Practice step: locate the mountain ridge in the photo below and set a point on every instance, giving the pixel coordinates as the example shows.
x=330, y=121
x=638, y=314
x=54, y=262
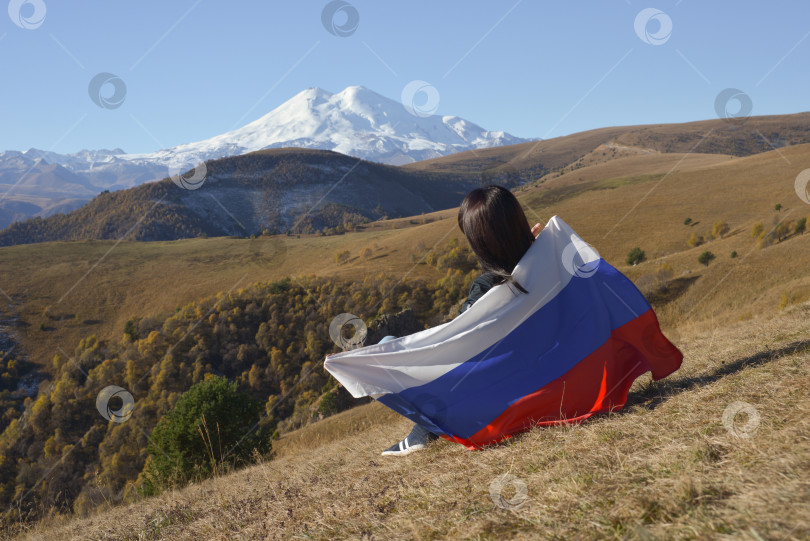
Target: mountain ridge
x=272, y=190
x=270, y=205
x=356, y=121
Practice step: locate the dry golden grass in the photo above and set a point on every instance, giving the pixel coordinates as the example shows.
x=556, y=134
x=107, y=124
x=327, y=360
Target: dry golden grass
x=100, y=293
x=596, y=167
x=714, y=136
x=650, y=214
x=638, y=200
x=664, y=467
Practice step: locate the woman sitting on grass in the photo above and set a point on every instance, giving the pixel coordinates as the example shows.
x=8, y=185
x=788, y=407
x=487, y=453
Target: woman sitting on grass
x=497, y=230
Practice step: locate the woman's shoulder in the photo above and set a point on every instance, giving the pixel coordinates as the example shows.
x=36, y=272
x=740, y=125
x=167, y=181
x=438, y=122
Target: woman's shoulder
x=480, y=285
x=486, y=280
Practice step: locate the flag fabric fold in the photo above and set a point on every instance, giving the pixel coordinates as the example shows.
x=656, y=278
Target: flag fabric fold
x=568, y=349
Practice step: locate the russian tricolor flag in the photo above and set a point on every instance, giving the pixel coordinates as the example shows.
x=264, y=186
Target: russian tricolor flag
x=568, y=349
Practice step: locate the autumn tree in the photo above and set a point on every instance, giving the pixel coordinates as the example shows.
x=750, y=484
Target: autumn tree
x=694, y=240
x=782, y=230
x=663, y=275
x=765, y=239
x=342, y=257
x=719, y=229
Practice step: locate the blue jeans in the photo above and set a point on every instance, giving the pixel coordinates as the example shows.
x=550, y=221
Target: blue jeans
x=388, y=339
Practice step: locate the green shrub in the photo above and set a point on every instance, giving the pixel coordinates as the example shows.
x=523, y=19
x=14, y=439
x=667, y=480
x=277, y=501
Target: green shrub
x=801, y=226
x=705, y=258
x=131, y=329
x=636, y=256
x=211, y=426
x=328, y=404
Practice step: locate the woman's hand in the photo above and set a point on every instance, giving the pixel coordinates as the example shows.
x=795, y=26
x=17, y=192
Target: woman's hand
x=536, y=229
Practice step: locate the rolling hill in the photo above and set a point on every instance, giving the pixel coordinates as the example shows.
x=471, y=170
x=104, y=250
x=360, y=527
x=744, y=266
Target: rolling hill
x=296, y=190
x=758, y=134
x=61, y=293
x=90, y=288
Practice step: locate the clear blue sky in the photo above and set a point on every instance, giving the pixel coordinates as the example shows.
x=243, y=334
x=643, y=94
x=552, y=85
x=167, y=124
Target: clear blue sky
x=194, y=69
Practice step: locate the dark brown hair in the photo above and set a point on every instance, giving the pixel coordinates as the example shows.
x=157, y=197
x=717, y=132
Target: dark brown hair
x=495, y=226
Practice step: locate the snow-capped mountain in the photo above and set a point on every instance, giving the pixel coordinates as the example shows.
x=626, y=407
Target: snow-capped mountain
x=357, y=122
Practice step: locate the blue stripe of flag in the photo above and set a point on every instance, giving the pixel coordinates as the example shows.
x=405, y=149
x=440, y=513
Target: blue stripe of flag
x=549, y=343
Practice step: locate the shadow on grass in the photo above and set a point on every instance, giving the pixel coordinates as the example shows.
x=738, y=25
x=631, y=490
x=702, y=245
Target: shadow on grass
x=658, y=392
x=653, y=395
x=674, y=290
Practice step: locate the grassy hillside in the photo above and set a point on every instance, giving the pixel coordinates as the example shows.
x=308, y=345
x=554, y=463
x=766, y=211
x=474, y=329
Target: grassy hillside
x=268, y=339
x=80, y=288
x=56, y=294
x=758, y=134
x=665, y=467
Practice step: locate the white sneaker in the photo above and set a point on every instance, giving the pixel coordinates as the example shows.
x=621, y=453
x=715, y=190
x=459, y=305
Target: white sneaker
x=417, y=440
